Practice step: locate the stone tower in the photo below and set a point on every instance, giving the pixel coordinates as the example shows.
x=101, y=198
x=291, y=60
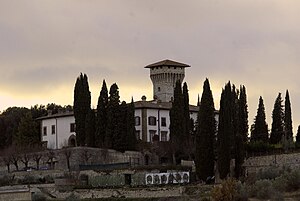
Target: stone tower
x=164, y=75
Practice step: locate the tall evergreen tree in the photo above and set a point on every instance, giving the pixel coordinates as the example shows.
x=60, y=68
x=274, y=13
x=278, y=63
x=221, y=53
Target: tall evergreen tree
x=101, y=119
x=131, y=138
x=82, y=106
x=177, y=121
x=242, y=134
x=120, y=137
x=288, y=127
x=205, y=135
x=259, y=130
x=298, y=136
x=226, y=131
x=186, y=108
x=113, y=110
x=278, y=121
x=90, y=129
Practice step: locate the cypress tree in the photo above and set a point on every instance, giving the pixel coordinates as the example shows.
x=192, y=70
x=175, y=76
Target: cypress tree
x=113, y=110
x=242, y=134
x=186, y=108
x=101, y=119
x=298, y=137
x=226, y=131
x=90, y=128
x=131, y=138
x=277, y=123
x=259, y=130
x=177, y=120
x=288, y=117
x=205, y=135
x=120, y=138
x=82, y=105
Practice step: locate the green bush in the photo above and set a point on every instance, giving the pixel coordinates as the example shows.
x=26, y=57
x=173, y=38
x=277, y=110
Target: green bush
x=72, y=197
x=263, y=189
x=226, y=191
x=269, y=173
x=38, y=197
x=292, y=180
x=6, y=180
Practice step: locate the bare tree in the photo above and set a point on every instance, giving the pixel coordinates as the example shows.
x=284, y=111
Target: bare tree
x=15, y=158
x=6, y=158
x=25, y=156
x=67, y=153
x=85, y=155
x=37, y=155
x=51, y=156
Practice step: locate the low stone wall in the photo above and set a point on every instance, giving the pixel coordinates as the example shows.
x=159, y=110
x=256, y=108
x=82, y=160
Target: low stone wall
x=80, y=156
x=16, y=195
x=254, y=164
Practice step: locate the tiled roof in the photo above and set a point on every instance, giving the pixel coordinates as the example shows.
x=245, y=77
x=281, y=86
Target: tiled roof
x=167, y=62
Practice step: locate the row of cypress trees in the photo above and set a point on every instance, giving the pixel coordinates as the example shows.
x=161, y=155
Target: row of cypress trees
x=281, y=129
x=111, y=126
x=229, y=142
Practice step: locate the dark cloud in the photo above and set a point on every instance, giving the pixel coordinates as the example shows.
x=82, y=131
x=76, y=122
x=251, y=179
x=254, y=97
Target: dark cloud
x=45, y=45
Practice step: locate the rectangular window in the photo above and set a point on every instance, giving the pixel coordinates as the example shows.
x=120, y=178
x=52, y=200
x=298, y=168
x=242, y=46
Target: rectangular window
x=152, y=121
x=53, y=129
x=164, y=136
x=152, y=134
x=72, y=127
x=163, y=122
x=137, y=121
x=44, y=130
x=138, y=134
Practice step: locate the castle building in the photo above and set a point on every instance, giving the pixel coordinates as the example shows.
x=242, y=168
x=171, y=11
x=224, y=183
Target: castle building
x=152, y=119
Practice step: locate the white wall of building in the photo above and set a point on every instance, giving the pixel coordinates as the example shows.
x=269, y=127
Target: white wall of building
x=62, y=131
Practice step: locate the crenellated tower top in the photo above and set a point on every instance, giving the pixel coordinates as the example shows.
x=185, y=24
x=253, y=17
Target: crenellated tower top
x=164, y=75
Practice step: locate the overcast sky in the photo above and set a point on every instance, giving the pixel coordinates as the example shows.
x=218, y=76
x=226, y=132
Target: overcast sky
x=44, y=45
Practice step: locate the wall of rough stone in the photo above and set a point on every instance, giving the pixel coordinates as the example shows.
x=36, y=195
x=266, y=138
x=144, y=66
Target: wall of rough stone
x=254, y=164
x=81, y=155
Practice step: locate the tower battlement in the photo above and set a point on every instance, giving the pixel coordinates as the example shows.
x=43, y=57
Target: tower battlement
x=164, y=75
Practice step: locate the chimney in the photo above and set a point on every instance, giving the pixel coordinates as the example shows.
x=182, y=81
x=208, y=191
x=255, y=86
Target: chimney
x=144, y=98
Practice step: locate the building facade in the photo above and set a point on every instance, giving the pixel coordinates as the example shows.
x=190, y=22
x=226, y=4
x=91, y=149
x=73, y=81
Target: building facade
x=152, y=119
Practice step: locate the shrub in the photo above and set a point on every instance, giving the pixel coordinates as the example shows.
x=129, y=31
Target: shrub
x=38, y=197
x=264, y=189
x=226, y=191
x=269, y=173
x=72, y=197
x=6, y=180
x=292, y=180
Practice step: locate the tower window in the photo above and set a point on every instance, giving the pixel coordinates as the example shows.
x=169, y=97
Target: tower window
x=163, y=122
x=158, y=88
x=137, y=121
x=152, y=121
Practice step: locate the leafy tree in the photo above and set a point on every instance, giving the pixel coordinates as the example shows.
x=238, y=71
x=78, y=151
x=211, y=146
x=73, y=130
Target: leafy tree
x=11, y=118
x=90, y=128
x=242, y=134
x=205, y=135
x=278, y=121
x=177, y=127
x=259, y=130
x=288, y=127
x=113, y=110
x=226, y=131
x=28, y=133
x=101, y=119
x=82, y=106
